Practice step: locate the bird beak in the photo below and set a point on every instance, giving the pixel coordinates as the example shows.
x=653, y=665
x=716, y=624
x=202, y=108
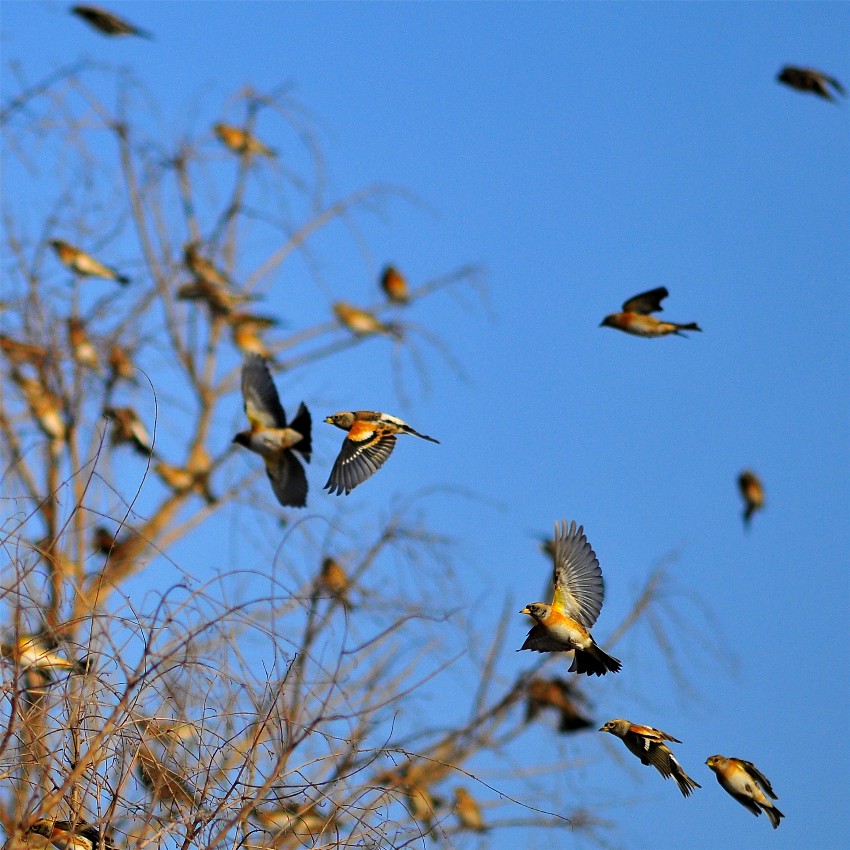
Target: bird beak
x=329, y=420
x=602, y=728
x=525, y=611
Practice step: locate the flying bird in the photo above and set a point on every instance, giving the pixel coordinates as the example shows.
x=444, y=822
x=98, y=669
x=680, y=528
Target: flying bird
x=65, y=835
x=241, y=141
x=370, y=441
x=636, y=319
x=107, y=23
x=84, y=264
x=394, y=285
x=272, y=437
x=752, y=492
x=246, y=330
x=747, y=784
x=648, y=745
x=810, y=80
x=565, y=624
x=560, y=695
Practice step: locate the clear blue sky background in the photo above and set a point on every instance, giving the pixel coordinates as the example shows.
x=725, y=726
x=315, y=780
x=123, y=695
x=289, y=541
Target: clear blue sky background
x=584, y=153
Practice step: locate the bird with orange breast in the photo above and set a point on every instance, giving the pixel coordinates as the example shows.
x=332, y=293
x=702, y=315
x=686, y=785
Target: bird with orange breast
x=241, y=141
x=82, y=349
x=649, y=746
x=83, y=264
x=565, y=624
x=810, y=81
x=69, y=835
x=747, y=784
x=394, y=285
x=636, y=319
x=752, y=492
x=363, y=323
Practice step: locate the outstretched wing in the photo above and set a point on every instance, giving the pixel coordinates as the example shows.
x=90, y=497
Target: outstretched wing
x=364, y=451
x=539, y=640
x=288, y=479
x=262, y=403
x=577, y=575
x=760, y=778
x=647, y=302
x=651, y=734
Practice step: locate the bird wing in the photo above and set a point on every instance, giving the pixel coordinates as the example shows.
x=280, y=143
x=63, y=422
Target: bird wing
x=651, y=734
x=302, y=423
x=262, y=403
x=364, y=451
x=759, y=777
x=647, y=302
x=577, y=576
x=836, y=85
x=288, y=479
x=539, y=640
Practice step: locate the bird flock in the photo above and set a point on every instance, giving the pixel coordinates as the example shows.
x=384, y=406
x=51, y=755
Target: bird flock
x=562, y=625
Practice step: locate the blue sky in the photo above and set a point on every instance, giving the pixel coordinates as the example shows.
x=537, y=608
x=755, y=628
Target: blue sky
x=583, y=153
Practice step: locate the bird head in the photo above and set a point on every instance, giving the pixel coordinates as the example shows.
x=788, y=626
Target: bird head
x=608, y=321
x=715, y=762
x=243, y=438
x=342, y=420
x=538, y=610
x=616, y=727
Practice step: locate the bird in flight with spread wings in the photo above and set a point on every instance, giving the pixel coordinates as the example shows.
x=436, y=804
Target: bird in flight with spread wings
x=636, y=319
x=565, y=624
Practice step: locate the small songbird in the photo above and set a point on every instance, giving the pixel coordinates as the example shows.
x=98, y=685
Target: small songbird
x=394, y=285
x=104, y=541
x=210, y=285
x=565, y=624
x=128, y=428
x=81, y=346
x=304, y=821
x=19, y=353
x=810, y=80
x=422, y=805
x=182, y=479
x=467, y=811
x=241, y=141
x=84, y=264
x=363, y=323
x=202, y=268
x=246, y=330
x=636, y=320
x=752, y=492
x=39, y=652
x=747, y=784
x=332, y=577
x=120, y=365
x=648, y=745
x=107, y=23
x=562, y=696
x=370, y=441
x=271, y=437
x=165, y=785
x=67, y=835
x=46, y=408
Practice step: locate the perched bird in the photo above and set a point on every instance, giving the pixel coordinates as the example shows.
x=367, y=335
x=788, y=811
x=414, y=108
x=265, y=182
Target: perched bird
x=752, y=493
x=648, y=745
x=564, y=625
x=635, y=318
x=241, y=141
x=370, y=441
x=18, y=353
x=333, y=578
x=107, y=23
x=394, y=285
x=422, y=805
x=810, y=80
x=84, y=264
x=38, y=652
x=183, y=479
x=747, y=784
x=363, y=323
x=271, y=437
x=128, y=428
x=246, y=330
x=210, y=284
x=467, y=810
x=120, y=365
x=202, y=268
x=560, y=695
x=164, y=784
x=104, y=541
x=68, y=835
x=46, y=408
x=82, y=349
x=305, y=821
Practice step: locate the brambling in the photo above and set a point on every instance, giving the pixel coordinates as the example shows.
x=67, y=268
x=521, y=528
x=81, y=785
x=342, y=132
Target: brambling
x=66, y=835
x=648, y=745
x=303, y=821
x=163, y=783
x=107, y=23
x=636, y=319
x=370, y=441
x=46, y=408
x=564, y=624
x=246, y=330
x=38, y=652
x=103, y=541
x=241, y=141
x=333, y=578
x=467, y=810
x=422, y=806
x=128, y=429
x=363, y=323
x=18, y=353
x=120, y=365
x=394, y=285
x=84, y=264
x=747, y=784
x=810, y=80
x=181, y=480
x=562, y=696
x=271, y=437
x=752, y=492
x=203, y=269
x=82, y=349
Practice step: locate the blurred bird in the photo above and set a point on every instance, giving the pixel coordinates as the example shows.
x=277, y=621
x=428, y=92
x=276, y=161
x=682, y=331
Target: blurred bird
x=246, y=330
x=128, y=428
x=45, y=407
x=120, y=365
x=103, y=540
x=747, y=784
x=810, y=80
x=18, y=353
x=84, y=264
x=82, y=349
x=203, y=269
x=66, y=835
x=752, y=493
x=183, y=479
x=370, y=441
x=164, y=784
x=562, y=696
x=210, y=285
x=635, y=318
x=422, y=806
x=333, y=578
x=363, y=323
x=564, y=625
x=39, y=652
x=241, y=141
x=107, y=23
x=394, y=285
x=305, y=821
x=648, y=745
x=467, y=810
x=271, y=437
x=165, y=731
